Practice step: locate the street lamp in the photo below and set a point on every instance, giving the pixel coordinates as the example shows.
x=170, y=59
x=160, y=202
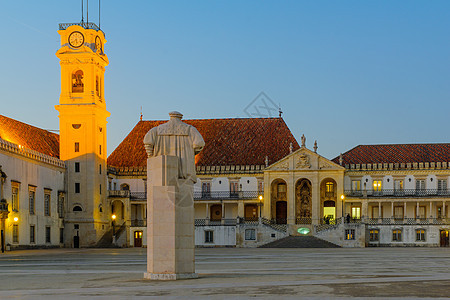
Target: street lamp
x=260, y=204
x=16, y=219
x=342, y=205
x=113, y=217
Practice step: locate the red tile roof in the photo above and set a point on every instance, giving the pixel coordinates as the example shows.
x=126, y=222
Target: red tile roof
x=30, y=137
x=396, y=153
x=245, y=141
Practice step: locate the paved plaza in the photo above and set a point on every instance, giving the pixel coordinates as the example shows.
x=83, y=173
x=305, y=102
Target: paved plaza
x=229, y=273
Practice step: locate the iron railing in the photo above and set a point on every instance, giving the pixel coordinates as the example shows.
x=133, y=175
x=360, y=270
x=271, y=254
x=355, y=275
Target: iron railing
x=226, y=195
x=407, y=221
x=138, y=195
x=398, y=193
x=207, y=222
x=119, y=194
x=85, y=25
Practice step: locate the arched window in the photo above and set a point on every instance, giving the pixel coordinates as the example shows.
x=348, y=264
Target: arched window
x=124, y=187
x=77, y=82
x=77, y=208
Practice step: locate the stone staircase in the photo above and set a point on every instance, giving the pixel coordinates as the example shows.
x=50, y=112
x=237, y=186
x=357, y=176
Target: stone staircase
x=300, y=242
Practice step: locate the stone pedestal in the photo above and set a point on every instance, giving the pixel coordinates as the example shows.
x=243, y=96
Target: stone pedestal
x=170, y=217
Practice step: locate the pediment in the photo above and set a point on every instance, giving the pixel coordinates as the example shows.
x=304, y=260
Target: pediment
x=304, y=159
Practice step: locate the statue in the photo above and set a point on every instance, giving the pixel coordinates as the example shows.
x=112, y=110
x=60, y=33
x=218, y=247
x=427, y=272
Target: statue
x=171, y=149
x=179, y=139
x=303, y=140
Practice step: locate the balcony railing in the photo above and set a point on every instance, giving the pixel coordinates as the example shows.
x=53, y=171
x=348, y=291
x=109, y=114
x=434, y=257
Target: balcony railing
x=226, y=195
x=120, y=194
x=398, y=193
x=407, y=221
x=85, y=25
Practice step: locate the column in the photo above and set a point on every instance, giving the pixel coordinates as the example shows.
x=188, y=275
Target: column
x=404, y=210
x=290, y=193
x=223, y=213
x=241, y=213
x=417, y=210
x=392, y=209
x=364, y=210
x=207, y=212
x=431, y=209
x=379, y=211
x=444, y=214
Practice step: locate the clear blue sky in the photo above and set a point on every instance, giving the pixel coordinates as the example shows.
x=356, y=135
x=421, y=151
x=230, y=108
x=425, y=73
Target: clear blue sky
x=344, y=72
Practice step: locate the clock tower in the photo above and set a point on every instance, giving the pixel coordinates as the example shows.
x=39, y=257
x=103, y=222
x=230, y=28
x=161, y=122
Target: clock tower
x=82, y=126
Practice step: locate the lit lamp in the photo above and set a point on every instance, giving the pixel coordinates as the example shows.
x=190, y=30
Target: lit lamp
x=260, y=204
x=113, y=217
x=16, y=219
x=342, y=203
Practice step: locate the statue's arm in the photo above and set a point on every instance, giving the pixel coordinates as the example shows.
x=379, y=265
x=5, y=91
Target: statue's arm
x=149, y=142
x=197, y=140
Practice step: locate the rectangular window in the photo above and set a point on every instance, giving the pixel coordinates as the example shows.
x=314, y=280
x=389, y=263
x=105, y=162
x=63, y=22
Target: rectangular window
x=100, y=149
x=398, y=185
x=77, y=147
x=206, y=189
x=61, y=235
x=250, y=234
x=209, y=236
x=77, y=187
x=31, y=199
x=47, y=204
x=442, y=185
x=15, y=233
x=398, y=212
x=397, y=235
x=15, y=197
x=100, y=168
x=32, y=234
x=234, y=188
x=61, y=205
x=77, y=167
x=356, y=185
x=377, y=185
x=47, y=234
x=420, y=184
x=356, y=212
x=100, y=187
x=374, y=235
x=349, y=234
x=260, y=186
x=420, y=235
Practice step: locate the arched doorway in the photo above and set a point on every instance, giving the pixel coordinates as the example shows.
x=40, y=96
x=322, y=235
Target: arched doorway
x=117, y=209
x=138, y=238
x=279, y=201
x=303, y=201
x=328, y=191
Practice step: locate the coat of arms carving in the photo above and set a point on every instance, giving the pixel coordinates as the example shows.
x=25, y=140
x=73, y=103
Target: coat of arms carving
x=303, y=162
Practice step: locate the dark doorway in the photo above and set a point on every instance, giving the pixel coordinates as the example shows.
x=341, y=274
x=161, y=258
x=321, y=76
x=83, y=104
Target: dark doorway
x=138, y=238
x=444, y=238
x=251, y=212
x=281, y=212
x=76, y=241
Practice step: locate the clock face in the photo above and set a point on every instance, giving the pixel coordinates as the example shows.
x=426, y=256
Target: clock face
x=76, y=39
x=98, y=44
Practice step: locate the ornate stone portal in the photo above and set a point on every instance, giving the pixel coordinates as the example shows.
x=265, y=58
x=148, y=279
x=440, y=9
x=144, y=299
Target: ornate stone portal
x=171, y=149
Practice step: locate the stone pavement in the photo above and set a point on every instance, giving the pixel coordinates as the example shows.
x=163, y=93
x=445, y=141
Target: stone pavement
x=229, y=273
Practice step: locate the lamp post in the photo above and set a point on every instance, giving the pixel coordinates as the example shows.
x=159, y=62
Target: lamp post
x=113, y=217
x=260, y=205
x=342, y=206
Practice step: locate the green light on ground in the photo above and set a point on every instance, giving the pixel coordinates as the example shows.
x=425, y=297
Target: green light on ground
x=303, y=230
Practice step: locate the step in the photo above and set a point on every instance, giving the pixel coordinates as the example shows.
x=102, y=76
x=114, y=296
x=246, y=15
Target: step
x=300, y=242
